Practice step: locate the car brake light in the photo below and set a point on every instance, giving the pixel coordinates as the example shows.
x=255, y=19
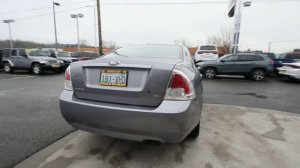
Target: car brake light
x=68, y=81
x=180, y=88
x=271, y=62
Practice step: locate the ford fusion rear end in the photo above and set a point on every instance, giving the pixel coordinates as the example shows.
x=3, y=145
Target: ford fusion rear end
x=132, y=97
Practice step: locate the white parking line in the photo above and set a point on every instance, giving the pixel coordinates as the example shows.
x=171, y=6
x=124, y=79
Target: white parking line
x=18, y=76
x=22, y=76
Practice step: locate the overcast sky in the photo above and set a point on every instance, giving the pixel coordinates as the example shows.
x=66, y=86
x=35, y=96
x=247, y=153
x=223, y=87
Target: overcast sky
x=266, y=20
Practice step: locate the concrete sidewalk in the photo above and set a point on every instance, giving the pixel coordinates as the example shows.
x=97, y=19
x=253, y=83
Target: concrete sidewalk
x=230, y=136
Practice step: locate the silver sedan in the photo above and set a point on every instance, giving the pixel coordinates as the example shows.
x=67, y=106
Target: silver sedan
x=139, y=92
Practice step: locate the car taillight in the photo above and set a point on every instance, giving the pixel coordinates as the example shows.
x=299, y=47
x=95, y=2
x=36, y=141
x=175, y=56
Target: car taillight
x=271, y=62
x=68, y=81
x=180, y=87
x=199, y=52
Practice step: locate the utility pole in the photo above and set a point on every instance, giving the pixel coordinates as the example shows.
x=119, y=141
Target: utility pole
x=99, y=28
x=9, y=28
x=95, y=25
x=55, y=32
x=269, y=50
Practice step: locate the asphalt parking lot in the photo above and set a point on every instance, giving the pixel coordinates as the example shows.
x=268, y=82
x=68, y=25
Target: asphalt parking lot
x=30, y=119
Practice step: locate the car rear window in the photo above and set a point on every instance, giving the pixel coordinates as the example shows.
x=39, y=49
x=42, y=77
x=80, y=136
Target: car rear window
x=148, y=51
x=271, y=55
x=208, y=48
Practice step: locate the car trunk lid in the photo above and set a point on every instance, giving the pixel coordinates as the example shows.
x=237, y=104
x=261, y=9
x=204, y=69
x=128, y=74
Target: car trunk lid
x=145, y=84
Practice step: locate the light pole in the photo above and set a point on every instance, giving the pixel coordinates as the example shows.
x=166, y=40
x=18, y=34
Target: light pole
x=99, y=28
x=77, y=16
x=237, y=22
x=9, y=28
x=95, y=26
x=55, y=32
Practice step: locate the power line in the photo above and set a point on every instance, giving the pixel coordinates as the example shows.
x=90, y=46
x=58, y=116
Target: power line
x=143, y=4
x=273, y=42
x=45, y=14
x=44, y=7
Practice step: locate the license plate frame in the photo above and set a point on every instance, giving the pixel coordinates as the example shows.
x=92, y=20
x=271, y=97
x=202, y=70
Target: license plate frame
x=55, y=66
x=112, y=76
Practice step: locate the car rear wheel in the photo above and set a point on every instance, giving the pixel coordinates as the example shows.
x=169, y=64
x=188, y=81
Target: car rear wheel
x=7, y=68
x=36, y=69
x=210, y=73
x=195, y=132
x=258, y=75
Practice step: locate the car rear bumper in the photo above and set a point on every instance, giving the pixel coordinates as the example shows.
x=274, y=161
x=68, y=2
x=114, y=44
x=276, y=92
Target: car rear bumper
x=50, y=67
x=170, y=122
x=203, y=57
x=289, y=73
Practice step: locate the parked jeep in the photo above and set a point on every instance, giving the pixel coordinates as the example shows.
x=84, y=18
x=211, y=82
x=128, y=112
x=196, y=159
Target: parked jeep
x=33, y=60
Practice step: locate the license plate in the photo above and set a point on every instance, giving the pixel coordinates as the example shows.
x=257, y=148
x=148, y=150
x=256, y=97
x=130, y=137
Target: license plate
x=55, y=65
x=113, y=77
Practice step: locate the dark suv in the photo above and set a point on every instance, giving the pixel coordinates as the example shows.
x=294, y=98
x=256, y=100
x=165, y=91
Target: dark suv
x=252, y=66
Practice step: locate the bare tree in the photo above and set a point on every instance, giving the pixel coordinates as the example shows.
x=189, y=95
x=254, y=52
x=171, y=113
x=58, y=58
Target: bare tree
x=182, y=41
x=109, y=44
x=223, y=40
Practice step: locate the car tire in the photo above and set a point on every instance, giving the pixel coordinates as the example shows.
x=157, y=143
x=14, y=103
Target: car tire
x=195, y=132
x=210, y=73
x=36, y=69
x=258, y=74
x=7, y=68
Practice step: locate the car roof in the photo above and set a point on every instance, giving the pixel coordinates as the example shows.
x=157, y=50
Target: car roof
x=247, y=54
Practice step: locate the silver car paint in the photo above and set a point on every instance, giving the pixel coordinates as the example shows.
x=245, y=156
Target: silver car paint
x=160, y=119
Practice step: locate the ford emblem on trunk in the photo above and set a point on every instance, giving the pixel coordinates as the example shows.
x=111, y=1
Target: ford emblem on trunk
x=114, y=63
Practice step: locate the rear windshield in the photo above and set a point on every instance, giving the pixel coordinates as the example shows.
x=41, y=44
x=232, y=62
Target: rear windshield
x=148, y=51
x=207, y=48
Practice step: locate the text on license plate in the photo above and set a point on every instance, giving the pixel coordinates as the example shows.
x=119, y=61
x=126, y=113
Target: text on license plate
x=112, y=77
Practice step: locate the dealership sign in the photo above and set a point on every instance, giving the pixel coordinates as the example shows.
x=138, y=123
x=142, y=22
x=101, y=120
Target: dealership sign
x=231, y=8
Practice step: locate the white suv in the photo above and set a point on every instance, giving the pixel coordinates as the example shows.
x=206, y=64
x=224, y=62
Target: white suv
x=206, y=53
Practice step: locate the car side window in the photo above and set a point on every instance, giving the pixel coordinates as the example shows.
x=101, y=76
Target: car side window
x=231, y=58
x=289, y=56
x=244, y=58
x=14, y=53
x=22, y=53
x=6, y=53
